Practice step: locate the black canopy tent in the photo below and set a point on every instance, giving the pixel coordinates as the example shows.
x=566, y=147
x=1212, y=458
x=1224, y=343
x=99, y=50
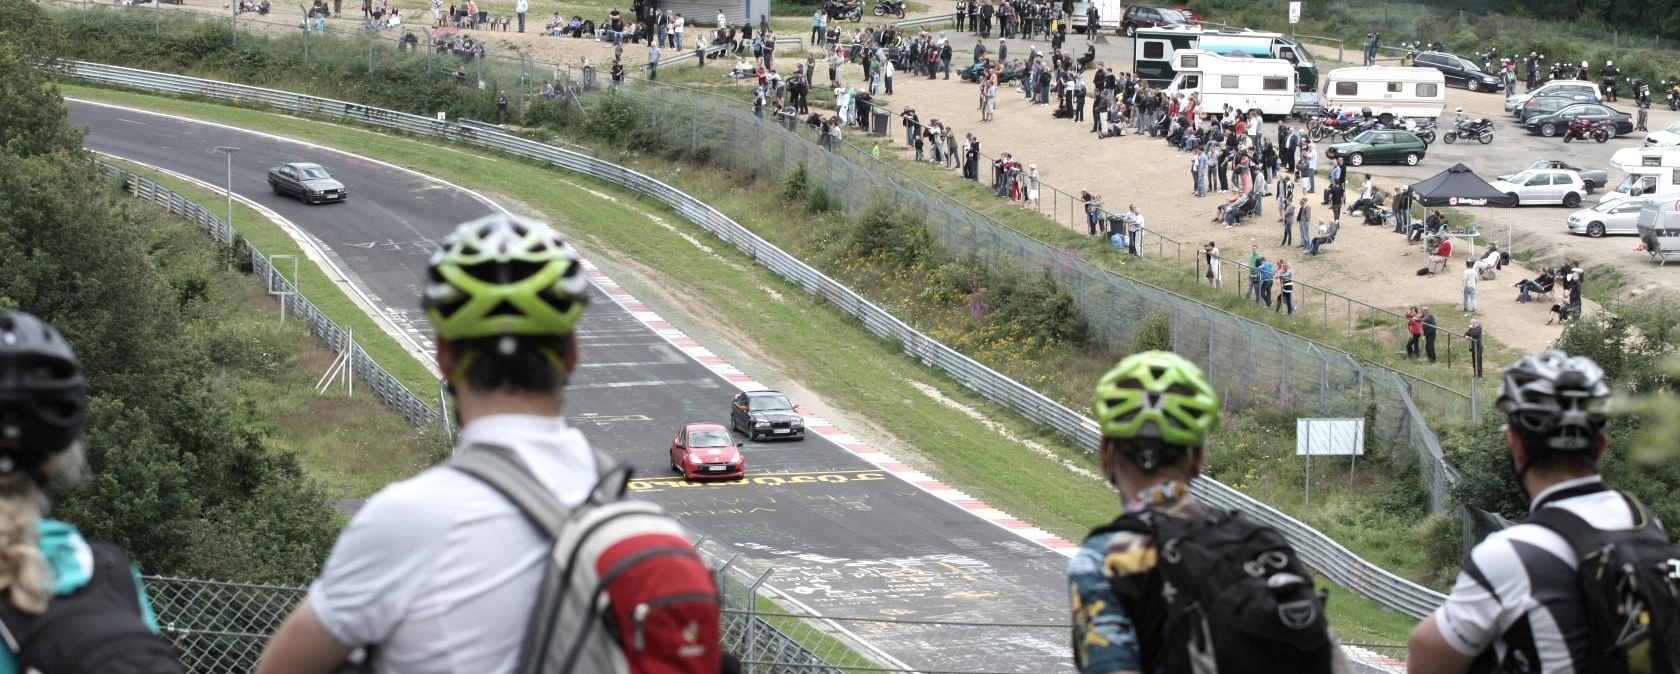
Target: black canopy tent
x=1460, y=186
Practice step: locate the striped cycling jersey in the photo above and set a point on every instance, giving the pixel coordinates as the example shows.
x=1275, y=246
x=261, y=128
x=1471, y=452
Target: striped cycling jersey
x=1518, y=593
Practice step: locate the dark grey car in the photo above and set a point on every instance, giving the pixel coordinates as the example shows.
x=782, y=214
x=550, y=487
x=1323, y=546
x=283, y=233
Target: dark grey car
x=310, y=183
x=765, y=413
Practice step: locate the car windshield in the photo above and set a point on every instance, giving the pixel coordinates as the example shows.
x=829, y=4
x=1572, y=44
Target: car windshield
x=1518, y=179
x=1673, y=128
x=775, y=403
x=709, y=439
x=313, y=174
x=1174, y=15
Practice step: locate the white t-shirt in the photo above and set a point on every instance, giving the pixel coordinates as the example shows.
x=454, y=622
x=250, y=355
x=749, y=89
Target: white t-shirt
x=677, y=25
x=440, y=570
x=1470, y=278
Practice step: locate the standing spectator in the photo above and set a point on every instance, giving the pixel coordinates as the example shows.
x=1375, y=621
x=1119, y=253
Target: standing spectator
x=1134, y=222
x=519, y=8
x=1214, y=273
x=1414, y=327
x=961, y=13
x=617, y=74
x=1286, y=286
x=1198, y=171
x=1373, y=40
x=971, y=167
x=677, y=31
x=1285, y=192
x=653, y=62
x=1307, y=168
x=1303, y=222
x=1428, y=320
x=1470, y=275
x=1574, y=278
x=1474, y=335
x=1402, y=204
x=1333, y=195
x=887, y=75
x=816, y=26
x=1268, y=275
x=1254, y=260
x=1032, y=187
x=501, y=106
x=1288, y=220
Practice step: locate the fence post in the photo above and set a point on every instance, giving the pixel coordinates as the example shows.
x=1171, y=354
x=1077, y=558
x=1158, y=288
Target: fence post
x=752, y=620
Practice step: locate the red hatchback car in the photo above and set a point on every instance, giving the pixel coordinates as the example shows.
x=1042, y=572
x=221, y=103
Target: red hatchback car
x=706, y=450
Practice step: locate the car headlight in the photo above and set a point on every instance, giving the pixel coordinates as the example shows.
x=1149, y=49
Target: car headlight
x=694, y=459
x=315, y=191
x=761, y=424
x=798, y=423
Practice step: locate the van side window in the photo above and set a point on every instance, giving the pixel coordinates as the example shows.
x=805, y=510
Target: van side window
x=1674, y=178
x=1228, y=81
x=1192, y=82
x=1288, y=54
x=1394, y=87
x=1192, y=61
x=1274, y=83
x=1429, y=90
x=1347, y=88
x=1154, y=49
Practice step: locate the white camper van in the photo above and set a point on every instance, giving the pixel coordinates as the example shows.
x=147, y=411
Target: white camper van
x=1263, y=84
x=1654, y=170
x=1389, y=91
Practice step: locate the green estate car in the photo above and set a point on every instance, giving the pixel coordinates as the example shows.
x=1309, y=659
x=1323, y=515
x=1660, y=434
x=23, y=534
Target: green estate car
x=1390, y=145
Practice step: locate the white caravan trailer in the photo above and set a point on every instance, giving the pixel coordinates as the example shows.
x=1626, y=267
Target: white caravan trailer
x=1389, y=91
x=1659, y=229
x=1263, y=84
x=1654, y=170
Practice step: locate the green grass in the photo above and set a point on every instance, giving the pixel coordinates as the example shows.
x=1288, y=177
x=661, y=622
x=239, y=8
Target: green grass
x=352, y=444
x=837, y=357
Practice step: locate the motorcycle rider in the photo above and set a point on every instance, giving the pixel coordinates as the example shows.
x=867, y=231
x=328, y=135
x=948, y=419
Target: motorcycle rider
x=1557, y=70
x=1610, y=74
x=1582, y=72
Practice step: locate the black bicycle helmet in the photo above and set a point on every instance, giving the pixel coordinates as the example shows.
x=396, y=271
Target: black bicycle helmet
x=1557, y=401
x=43, y=397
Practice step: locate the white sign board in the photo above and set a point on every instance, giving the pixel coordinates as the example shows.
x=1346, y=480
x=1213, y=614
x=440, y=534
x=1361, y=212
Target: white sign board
x=1294, y=12
x=1329, y=437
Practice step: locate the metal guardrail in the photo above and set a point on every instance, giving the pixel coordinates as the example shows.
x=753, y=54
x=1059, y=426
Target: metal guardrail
x=392, y=392
x=1317, y=549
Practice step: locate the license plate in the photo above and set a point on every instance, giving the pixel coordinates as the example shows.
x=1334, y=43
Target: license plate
x=784, y=430
x=717, y=469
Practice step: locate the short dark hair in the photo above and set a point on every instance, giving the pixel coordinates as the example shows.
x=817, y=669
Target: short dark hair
x=512, y=364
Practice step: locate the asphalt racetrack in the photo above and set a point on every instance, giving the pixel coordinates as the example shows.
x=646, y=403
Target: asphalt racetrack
x=844, y=538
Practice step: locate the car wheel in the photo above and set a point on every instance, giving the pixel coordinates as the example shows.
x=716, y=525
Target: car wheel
x=674, y=467
x=1571, y=200
x=1514, y=199
x=274, y=186
x=1588, y=185
x=1412, y=159
x=1131, y=31
x=1595, y=229
x=1548, y=130
x=1356, y=159
x=1473, y=85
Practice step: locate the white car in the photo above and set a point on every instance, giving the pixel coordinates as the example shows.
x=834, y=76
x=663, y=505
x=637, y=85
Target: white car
x=1668, y=137
x=1612, y=216
x=1548, y=186
x=1581, y=91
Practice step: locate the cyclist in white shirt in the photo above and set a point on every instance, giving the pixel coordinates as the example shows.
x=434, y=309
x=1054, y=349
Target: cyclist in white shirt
x=1517, y=601
x=437, y=574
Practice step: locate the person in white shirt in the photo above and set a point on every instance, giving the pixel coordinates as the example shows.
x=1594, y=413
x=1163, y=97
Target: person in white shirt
x=1470, y=274
x=438, y=574
x=723, y=21
x=520, y=8
x=677, y=30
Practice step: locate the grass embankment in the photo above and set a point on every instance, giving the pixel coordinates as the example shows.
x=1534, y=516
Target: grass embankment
x=355, y=444
x=836, y=357
x=352, y=444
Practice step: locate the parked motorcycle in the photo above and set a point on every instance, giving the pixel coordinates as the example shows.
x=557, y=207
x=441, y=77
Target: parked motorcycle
x=850, y=11
x=1426, y=132
x=885, y=7
x=1671, y=91
x=1584, y=129
x=1489, y=60
x=1480, y=129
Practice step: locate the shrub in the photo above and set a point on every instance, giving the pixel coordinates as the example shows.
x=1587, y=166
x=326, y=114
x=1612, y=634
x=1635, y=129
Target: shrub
x=1155, y=334
x=796, y=184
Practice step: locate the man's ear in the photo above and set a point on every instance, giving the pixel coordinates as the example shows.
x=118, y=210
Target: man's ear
x=445, y=360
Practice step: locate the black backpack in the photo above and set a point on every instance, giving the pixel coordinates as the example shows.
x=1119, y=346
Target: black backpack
x=1227, y=595
x=98, y=628
x=1629, y=581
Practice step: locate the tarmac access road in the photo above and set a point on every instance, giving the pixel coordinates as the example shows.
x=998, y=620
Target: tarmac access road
x=844, y=538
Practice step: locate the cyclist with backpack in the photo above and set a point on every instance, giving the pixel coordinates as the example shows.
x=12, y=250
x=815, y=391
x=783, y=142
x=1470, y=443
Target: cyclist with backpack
x=1173, y=585
x=519, y=553
x=67, y=605
x=1588, y=582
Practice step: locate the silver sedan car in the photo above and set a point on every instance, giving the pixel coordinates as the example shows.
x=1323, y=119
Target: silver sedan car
x=1611, y=216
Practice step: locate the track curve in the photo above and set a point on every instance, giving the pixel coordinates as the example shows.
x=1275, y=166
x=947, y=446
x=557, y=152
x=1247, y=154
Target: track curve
x=844, y=537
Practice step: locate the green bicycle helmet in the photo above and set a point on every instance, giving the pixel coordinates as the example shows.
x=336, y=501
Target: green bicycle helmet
x=1156, y=395
x=504, y=275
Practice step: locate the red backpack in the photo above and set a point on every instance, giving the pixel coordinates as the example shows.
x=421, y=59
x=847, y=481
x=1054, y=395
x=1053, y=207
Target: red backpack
x=624, y=592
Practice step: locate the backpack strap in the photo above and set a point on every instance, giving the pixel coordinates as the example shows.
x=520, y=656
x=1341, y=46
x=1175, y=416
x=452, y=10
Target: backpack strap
x=1584, y=538
x=496, y=467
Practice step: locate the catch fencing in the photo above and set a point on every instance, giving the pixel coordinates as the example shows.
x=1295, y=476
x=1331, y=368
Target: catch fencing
x=1252, y=365
x=389, y=390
